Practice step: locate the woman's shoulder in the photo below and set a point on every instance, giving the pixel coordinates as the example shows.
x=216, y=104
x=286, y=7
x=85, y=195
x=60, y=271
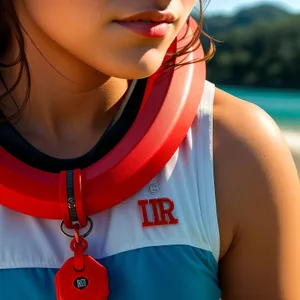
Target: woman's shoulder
x=244, y=130
x=249, y=151
x=257, y=188
x=245, y=134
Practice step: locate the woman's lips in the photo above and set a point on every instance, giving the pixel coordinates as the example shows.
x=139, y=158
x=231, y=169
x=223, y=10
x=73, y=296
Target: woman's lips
x=147, y=29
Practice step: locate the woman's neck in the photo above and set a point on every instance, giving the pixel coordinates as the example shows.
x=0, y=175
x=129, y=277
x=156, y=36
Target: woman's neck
x=70, y=103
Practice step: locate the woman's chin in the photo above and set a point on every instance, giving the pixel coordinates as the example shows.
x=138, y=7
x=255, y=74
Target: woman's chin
x=137, y=69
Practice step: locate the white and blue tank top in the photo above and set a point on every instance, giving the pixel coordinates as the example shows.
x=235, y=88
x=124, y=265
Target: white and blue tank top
x=177, y=261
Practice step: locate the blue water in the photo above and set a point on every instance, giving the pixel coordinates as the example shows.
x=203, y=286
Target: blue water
x=282, y=105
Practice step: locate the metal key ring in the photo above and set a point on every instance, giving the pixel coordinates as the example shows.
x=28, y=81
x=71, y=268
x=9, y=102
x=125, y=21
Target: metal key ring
x=90, y=224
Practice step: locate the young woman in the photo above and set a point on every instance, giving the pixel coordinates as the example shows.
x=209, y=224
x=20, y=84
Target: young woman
x=73, y=76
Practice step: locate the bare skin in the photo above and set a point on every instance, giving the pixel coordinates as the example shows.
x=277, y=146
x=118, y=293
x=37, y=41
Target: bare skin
x=258, y=201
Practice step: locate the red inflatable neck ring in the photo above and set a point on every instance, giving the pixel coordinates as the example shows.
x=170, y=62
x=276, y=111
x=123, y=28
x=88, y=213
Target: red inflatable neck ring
x=170, y=104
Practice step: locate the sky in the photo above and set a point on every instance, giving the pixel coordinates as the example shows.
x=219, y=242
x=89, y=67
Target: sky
x=230, y=6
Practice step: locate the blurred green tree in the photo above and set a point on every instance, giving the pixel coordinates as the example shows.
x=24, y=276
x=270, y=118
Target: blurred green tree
x=260, y=47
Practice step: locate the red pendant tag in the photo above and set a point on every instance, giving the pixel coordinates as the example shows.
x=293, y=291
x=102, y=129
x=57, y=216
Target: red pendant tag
x=81, y=277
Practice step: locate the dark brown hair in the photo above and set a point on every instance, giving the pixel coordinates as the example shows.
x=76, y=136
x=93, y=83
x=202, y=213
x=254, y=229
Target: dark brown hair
x=10, y=28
